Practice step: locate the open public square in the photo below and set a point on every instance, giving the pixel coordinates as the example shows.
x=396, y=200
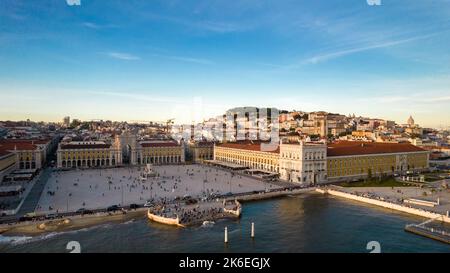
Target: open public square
x=100, y=188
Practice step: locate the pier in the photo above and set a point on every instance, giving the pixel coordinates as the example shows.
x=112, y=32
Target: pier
x=429, y=232
x=183, y=215
x=386, y=204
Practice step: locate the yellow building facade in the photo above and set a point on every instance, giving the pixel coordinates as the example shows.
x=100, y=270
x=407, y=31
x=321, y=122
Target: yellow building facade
x=340, y=161
x=8, y=162
x=160, y=152
x=352, y=160
x=201, y=151
x=101, y=154
x=248, y=155
x=361, y=166
x=86, y=154
x=30, y=154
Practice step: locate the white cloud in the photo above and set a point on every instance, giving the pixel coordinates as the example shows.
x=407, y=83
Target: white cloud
x=73, y=2
x=91, y=25
x=97, y=26
x=184, y=59
x=336, y=54
x=122, y=56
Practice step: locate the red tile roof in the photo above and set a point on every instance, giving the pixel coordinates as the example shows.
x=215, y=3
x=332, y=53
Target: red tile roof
x=9, y=145
x=31, y=141
x=341, y=148
x=346, y=148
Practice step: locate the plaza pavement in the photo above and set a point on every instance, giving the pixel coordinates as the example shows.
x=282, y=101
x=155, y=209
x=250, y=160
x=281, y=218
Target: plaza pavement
x=100, y=188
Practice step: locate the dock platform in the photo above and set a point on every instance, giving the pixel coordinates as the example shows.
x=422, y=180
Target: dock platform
x=428, y=232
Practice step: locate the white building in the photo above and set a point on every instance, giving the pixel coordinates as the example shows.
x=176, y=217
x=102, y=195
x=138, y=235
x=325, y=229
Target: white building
x=304, y=163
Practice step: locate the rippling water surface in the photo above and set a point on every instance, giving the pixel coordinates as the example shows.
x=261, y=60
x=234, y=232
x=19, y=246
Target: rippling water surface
x=306, y=223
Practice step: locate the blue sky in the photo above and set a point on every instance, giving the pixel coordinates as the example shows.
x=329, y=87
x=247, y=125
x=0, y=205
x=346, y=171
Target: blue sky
x=183, y=59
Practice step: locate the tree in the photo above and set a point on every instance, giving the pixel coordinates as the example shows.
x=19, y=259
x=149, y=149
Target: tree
x=75, y=123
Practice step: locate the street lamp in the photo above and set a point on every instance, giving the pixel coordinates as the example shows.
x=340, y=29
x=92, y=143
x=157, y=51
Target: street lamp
x=68, y=195
x=121, y=185
x=151, y=190
x=206, y=178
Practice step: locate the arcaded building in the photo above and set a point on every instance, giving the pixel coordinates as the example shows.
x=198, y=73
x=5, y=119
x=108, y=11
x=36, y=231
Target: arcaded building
x=125, y=150
x=316, y=162
x=248, y=154
x=8, y=163
x=86, y=154
x=30, y=154
x=160, y=152
x=351, y=160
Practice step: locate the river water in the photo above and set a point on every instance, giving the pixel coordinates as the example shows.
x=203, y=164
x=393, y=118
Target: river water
x=302, y=223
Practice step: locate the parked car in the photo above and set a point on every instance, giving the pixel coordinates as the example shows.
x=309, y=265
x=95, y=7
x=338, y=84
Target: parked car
x=191, y=201
x=134, y=206
x=51, y=216
x=33, y=215
x=84, y=211
x=25, y=218
x=113, y=208
x=148, y=204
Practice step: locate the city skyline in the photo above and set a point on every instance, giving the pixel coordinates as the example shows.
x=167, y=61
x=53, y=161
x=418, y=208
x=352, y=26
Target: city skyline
x=160, y=60
x=71, y=118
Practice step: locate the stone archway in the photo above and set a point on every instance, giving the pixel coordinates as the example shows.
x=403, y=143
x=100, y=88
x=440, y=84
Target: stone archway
x=126, y=144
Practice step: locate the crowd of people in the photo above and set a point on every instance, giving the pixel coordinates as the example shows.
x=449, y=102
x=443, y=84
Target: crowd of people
x=188, y=214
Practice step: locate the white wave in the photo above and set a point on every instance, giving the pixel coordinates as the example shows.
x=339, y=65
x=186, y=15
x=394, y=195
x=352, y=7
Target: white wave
x=129, y=222
x=35, y=239
x=13, y=239
x=207, y=224
x=19, y=240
